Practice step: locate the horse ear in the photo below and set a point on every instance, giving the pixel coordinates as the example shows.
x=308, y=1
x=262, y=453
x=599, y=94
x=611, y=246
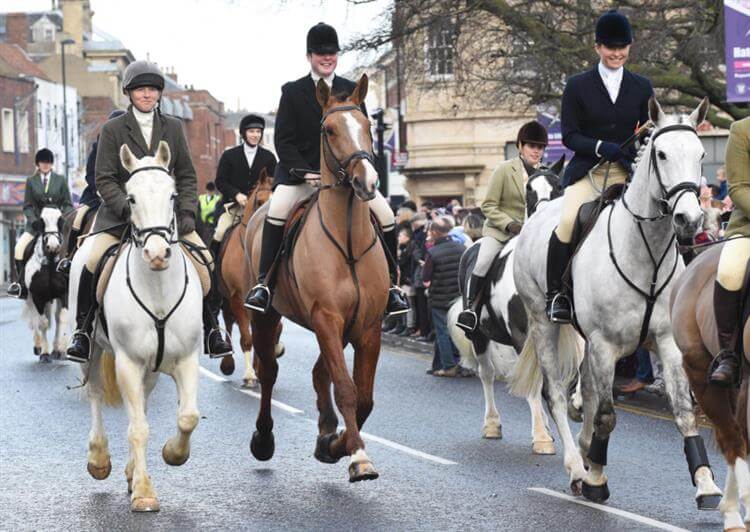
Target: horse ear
x=360, y=91
x=163, y=155
x=127, y=158
x=322, y=93
x=698, y=116
x=558, y=166
x=655, y=113
x=263, y=177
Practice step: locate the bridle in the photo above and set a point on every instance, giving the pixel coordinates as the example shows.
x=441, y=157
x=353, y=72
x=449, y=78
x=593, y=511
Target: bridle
x=140, y=235
x=340, y=168
x=256, y=198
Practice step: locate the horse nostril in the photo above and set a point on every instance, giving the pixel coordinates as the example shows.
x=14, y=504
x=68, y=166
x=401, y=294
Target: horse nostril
x=168, y=253
x=680, y=219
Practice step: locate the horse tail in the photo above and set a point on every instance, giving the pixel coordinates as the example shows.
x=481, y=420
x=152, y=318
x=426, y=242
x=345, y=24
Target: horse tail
x=462, y=343
x=570, y=349
x=108, y=376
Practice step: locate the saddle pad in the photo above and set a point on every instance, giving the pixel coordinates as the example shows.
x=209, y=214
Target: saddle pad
x=589, y=213
x=104, y=268
x=204, y=274
x=295, y=222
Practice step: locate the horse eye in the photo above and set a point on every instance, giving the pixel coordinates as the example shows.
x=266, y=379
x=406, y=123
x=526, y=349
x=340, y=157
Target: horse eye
x=662, y=156
x=131, y=199
x=174, y=196
x=703, y=156
x=329, y=130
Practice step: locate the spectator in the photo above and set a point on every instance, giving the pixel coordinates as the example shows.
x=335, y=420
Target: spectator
x=419, y=239
x=440, y=273
x=721, y=178
x=408, y=325
x=426, y=207
x=472, y=225
x=644, y=374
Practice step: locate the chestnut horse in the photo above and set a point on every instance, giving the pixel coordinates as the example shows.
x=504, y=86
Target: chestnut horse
x=695, y=332
x=335, y=283
x=234, y=282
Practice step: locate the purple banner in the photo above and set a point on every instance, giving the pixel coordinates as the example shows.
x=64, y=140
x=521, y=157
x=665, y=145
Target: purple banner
x=555, y=148
x=737, y=46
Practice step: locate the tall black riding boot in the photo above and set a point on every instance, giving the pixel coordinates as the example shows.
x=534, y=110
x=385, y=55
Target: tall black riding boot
x=80, y=343
x=725, y=368
x=64, y=265
x=397, y=302
x=18, y=287
x=259, y=297
x=468, y=318
x=559, y=309
x=217, y=345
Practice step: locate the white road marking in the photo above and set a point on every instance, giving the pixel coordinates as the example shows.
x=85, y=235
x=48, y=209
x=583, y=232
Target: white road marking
x=608, y=509
x=211, y=375
x=278, y=404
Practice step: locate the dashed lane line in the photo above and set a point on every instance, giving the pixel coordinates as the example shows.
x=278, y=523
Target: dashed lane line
x=278, y=404
x=610, y=510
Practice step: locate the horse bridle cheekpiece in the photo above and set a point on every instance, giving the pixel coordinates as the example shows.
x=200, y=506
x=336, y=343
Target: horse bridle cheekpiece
x=680, y=188
x=341, y=168
x=141, y=235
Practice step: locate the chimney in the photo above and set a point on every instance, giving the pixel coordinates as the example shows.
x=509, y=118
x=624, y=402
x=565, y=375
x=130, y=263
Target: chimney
x=17, y=29
x=171, y=74
x=76, y=22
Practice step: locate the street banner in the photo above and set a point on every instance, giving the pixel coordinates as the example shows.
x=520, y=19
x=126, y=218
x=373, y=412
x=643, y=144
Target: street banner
x=555, y=148
x=737, y=49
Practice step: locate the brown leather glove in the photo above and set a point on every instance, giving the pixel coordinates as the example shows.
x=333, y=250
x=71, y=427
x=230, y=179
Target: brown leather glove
x=514, y=228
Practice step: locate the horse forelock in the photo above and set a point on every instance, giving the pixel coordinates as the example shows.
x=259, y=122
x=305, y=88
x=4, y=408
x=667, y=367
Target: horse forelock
x=149, y=180
x=50, y=215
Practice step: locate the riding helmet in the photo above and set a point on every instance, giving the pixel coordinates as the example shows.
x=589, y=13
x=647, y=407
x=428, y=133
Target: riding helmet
x=322, y=39
x=532, y=133
x=115, y=114
x=613, y=30
x=142, y=74
x=44, y=156
x=251, y=121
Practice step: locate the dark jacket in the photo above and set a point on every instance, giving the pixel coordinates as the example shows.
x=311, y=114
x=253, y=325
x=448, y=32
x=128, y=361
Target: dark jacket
x=588, y=115
x=406, y=262
x=441, y=270
x=297, y=130
x=88, y=196
x=233, y=175
x=35, y=198
x=111, y=176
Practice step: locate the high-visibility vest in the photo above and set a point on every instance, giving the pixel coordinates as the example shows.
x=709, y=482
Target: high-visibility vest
x=208, y=205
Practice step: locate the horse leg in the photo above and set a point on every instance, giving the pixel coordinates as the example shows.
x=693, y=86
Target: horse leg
x=493, y=428
x=61, y=326
x=229, y=312
x=130, y=378
x=678, y=392
x=185, y=374
x=264, y=327
x=730, y=504
x=99, y=461
x=328, y=422
x=250, y=379
x=542, y=441
x=328, y=328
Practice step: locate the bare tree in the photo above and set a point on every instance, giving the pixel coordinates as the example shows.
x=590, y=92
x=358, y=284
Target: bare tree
x=508, y=51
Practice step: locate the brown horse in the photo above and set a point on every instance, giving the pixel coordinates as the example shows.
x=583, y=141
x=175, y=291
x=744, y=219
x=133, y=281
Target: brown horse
x=234, y=281
x=335, y=283
x=695, y=332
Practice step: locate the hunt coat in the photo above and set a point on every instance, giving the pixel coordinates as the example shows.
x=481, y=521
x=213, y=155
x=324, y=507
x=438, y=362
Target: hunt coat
x=36, y=198
x=234, y=175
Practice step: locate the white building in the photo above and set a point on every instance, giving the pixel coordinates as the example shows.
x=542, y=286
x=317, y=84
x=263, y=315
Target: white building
x=50, y=126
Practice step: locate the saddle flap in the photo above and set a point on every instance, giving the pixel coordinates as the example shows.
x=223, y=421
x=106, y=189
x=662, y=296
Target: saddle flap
x=295, y=222
x=201, y=266
x=104, y=271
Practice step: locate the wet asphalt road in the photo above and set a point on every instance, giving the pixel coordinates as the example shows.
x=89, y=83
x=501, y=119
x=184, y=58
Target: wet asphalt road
x=436, y=472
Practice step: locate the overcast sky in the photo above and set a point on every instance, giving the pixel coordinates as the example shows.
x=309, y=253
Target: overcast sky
x=237, y=49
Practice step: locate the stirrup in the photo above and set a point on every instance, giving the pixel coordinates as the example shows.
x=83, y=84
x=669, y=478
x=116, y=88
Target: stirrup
x=471, y=320
x=63, y=266
x=74, y=358
x=550, y=314
x=252, y=306
x=221, y=333
x=397, y=297
x=14, y=290
x=736, y=375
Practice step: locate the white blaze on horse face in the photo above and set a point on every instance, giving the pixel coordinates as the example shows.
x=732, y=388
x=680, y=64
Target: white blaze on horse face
x=51, y=218
x=356, y=132
x=543, y=189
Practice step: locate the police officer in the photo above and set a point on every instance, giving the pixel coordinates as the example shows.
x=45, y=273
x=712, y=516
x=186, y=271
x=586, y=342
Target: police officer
x=504, y=208
x=43, y=189
x=208, y=203
x=601, y=109
x=239, y=171
x=297, y=138
x=141, y=128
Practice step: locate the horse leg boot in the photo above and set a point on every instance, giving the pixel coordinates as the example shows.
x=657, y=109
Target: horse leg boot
x=725, y=368
x=80, y=341
x=468, y=319
x=18, y=288
x=259, y=297
x=397, y=302
x=559, y=309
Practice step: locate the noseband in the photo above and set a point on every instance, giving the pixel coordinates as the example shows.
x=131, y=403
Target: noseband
x=341, y=168
x=141, y=235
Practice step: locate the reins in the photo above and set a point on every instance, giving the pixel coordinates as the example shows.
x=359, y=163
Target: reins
x=340, y=169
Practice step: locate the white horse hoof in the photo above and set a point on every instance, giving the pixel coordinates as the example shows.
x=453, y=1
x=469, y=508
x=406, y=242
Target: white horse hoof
x=492, y=432
x=279, y=349
x=99, y=472
x=249, y=383
x=144, y=504
x=543, y=447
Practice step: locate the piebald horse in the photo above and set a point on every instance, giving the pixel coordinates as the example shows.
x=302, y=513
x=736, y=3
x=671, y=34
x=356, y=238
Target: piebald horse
x=694, y=327
x=335, y=284
x=622, y=274
x=151, y=311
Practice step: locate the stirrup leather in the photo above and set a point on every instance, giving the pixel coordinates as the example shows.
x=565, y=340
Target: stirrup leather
x=250, y=305
x=557, y=300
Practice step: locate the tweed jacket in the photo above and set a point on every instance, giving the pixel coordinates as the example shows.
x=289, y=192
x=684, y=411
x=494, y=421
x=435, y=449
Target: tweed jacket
x=505, y=201
x=738, y=176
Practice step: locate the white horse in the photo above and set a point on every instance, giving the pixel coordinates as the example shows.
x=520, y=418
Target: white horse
x=610, y=278
x=47, y=289
x=151, y=279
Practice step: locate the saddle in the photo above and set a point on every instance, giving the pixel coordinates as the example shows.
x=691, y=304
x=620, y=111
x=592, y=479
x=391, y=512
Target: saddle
x=29, y=251
x=589, y=213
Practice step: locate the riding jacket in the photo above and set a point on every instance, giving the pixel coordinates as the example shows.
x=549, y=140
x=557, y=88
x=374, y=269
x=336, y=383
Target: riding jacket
x=233, y=174
x=111, y=176
x=505, y=199
x=738, y=176
x=297, y=130
x=589, y=116
x=37, y=196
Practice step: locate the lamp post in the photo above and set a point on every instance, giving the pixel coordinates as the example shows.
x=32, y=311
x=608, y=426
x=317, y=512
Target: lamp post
x=65, y=104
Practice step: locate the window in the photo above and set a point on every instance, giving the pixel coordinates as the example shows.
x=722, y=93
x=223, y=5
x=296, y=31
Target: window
x=49, y=34
x=7, y=130
x=22, y=132
x=39, y=123
x=441, y=47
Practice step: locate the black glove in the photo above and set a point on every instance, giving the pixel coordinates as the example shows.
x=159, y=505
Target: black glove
x=513, y=228
x=38, y=226
x=610, y=151
x=185, y=223
x=125, y=211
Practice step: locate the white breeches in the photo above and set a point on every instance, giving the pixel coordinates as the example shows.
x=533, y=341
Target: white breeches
x=24, y=240
x=80, y=213
x=732, y=264
x=489, y=247
x=232, y=214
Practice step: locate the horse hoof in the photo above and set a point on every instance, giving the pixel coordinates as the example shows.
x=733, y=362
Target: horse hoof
x=543, y=447
x=492, y=432
x=708, y=502
x=575, y=487
x=44, y=358
x=144, y=504
x=57, y=355
x=595, y=493
x=99, y=473
x=575, y=414
x=323, y=448
x=280, y=349
x=173, y=459
x=249, y=383
x=362, y=471
x=262, y=447
x=37, y=351
x=227, y=365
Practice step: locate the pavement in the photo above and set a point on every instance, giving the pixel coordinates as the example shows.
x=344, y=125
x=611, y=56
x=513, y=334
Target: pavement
x=424, y=437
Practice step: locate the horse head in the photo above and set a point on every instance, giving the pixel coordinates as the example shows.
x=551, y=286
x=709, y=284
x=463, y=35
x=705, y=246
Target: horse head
x=346, y=140
x=544, y=185
x=52, y=236
x=674, y=157
x=262, y=191
x=151, y=194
